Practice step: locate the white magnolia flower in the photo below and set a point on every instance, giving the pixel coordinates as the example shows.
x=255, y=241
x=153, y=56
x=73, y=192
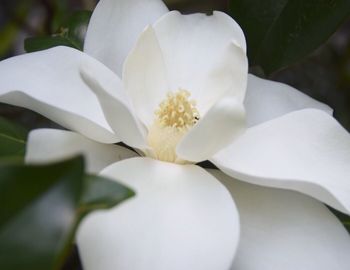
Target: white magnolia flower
x=178, y=91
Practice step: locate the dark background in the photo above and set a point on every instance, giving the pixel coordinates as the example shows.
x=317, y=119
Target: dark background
x=324, y=75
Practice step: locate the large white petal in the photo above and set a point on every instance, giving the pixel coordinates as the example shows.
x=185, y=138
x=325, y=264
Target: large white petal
x=266, y=100
x=115, y=26
x=228, y=77
x=223, y=123
x=144, y=76
x=48, y=82
x=181, y=218
x=115, y=103
x=306, y=151
x=225, y=119
x=286, y=230
x=192, y=45
x=50, y=145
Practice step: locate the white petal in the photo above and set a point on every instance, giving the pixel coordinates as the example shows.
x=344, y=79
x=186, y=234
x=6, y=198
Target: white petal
x=192, y=45
x=225, y=119
x=144, y=76
x=181, y=218
x=266, y=100
x=116, y=105
x=227, y=77
x=115, y=26
x=48, y=82
x=50, y=145
x=306, y=151
x=286, y=230
x=223, y=123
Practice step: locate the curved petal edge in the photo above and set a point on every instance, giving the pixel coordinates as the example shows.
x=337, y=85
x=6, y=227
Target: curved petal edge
x=51, y=145
x=180, y=218
x=282, y=229
x=306, y=151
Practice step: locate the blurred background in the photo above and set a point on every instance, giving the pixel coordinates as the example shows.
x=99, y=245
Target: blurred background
x=324, y=75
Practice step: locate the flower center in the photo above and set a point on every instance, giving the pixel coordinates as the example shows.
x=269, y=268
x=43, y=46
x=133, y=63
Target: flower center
x=174, y=117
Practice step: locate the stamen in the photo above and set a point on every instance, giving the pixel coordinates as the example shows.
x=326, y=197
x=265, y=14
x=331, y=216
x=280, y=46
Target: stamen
x=177, y=110
x=174, y=117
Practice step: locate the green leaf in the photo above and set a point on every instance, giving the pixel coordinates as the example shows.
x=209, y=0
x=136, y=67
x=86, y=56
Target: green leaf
x=70, y=34
x=42, y=43
x=101, y=193
x=77, y=26
x=280, y=32
x=344, y=219
x=12, y=140
x=41, y=209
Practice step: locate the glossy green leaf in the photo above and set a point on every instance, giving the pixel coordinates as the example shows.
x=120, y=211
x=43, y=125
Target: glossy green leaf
x=70, y=34
x=41, y=207
x=101, y=193
x=280, y=32
x=344, y=219
x=12, y=140
x=42, y=43
x=77, y=26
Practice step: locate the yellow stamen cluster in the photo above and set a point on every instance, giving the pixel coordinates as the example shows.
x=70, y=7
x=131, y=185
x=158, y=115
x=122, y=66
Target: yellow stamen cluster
x=178, y=111
x=174, y=117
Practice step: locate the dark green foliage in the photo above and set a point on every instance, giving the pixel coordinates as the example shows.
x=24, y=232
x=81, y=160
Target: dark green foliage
x=280, y=32
x=71, y=34
x=41, y=207
x=12, y=140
